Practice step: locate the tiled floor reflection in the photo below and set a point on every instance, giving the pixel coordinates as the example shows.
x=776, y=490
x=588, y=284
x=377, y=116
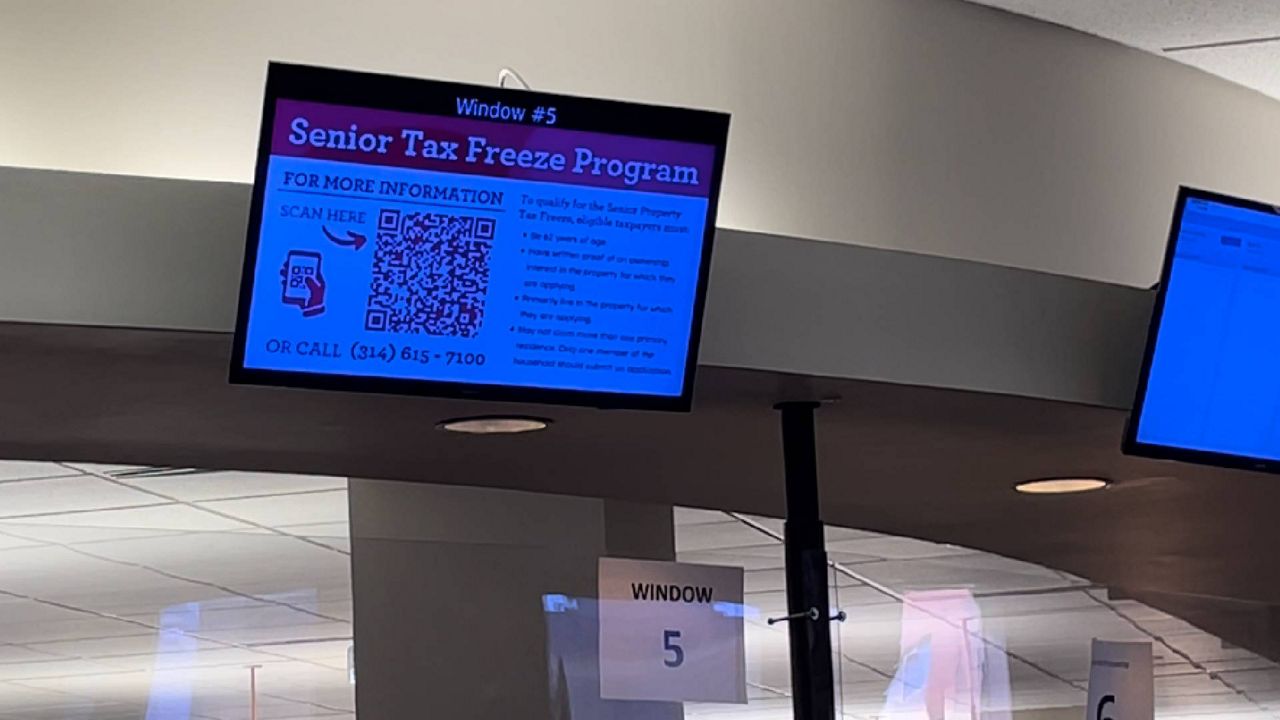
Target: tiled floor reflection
x=127, y=595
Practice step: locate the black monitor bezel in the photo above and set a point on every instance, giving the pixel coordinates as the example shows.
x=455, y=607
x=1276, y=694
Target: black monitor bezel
x=390, y=92
x=1131, y=444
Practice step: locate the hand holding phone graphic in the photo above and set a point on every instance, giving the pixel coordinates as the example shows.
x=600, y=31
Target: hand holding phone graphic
x=303, y=284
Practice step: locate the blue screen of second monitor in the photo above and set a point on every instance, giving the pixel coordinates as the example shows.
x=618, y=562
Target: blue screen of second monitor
x=1214, y=383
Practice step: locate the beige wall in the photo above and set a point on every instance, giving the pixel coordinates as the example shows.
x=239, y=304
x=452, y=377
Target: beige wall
x=927, y=125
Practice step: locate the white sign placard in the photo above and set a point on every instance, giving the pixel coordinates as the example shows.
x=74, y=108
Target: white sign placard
x=1121, y=682
x=671, y=631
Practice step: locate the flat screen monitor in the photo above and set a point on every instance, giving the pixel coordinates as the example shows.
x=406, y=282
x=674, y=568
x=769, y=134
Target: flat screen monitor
x=1210, y=386
x=433, y=238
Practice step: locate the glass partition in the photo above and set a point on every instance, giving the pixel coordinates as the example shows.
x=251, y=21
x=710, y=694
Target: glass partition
x=177, y=594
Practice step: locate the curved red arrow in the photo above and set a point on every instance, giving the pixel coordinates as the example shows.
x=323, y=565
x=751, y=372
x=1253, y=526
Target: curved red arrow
x=352, y=240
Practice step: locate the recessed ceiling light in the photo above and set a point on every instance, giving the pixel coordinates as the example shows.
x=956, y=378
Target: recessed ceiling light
x=493, y=425
x=1059, y=486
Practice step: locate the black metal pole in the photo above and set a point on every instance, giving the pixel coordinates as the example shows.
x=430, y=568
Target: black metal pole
x=813, y=694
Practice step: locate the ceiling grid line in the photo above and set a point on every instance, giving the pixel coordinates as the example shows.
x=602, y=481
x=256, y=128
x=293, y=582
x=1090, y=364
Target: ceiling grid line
x=196, y=506
x=153, y=628
x=174, y=576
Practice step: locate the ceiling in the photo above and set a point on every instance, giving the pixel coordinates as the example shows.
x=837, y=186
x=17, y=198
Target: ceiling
x=1041, y=620
x=125, y=596
x=1235, y=39
x=98, y=562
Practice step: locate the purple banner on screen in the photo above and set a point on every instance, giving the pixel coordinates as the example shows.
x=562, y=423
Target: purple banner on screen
x=496, y=149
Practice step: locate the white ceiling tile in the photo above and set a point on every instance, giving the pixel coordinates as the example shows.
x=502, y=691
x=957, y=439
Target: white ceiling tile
x=193, y=655
x=342, y=609
x=769, y=603
x=894, y=548
x=1255, y=66
x=905, y=575
x=331, y=652
x=763, y=557
x=33, y=671
x=1046, y=605
x=61, y=575
x=764, y=580
x=9, y=542
x=1155, y=24
x=292, y=629
x=66, y=494
x=103, y=468
x=22, y=470
x=840, y=533
x=103, y=683
x=319, y=530
x=95, y=647
x=180, y=518
x=338, y=543
x=299, y=572
x=986, y=562
x=24, y=702
x=718, y=536
x=867, y=601
x=1158, y=25
x=695, y=516
x=221, y=485
x=10, y=654
x=310, y=508
x=850, y=559
x=25, y=622
x=72, y=535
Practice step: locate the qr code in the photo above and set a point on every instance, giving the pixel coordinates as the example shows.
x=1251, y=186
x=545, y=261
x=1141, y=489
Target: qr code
x=430, y=273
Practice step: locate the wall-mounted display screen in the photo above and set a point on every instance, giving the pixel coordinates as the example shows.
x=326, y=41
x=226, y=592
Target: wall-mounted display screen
x=1210, y=388
x=434, y=238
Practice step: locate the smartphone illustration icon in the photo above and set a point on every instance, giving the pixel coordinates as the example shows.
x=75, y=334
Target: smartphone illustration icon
x=303, y=284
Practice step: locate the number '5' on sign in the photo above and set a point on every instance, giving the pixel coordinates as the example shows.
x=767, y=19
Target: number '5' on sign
x=669, y=644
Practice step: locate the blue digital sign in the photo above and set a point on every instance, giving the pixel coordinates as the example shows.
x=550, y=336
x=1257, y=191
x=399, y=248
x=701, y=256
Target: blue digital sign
x=1211, y=391
x=433, y=238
